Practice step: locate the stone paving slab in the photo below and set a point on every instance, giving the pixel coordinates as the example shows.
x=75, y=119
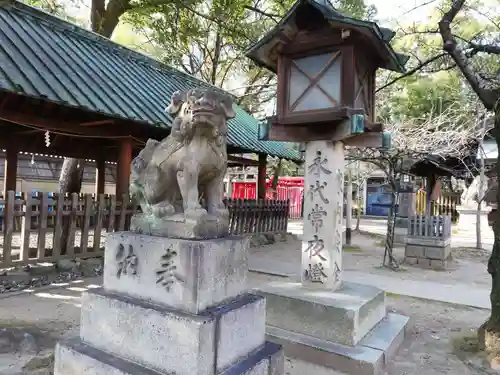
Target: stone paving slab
x=462, y=294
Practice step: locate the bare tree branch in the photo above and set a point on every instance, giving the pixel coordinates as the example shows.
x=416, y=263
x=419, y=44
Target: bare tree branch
x=450, y=45
x=412, y=71
x=487, y=48
x=419, y=6
x=275, y=17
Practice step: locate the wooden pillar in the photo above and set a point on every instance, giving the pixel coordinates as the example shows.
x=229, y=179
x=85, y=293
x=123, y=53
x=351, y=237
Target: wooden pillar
x=261, y=177
x=100, y=174
x=10, y=172
x=123, y=167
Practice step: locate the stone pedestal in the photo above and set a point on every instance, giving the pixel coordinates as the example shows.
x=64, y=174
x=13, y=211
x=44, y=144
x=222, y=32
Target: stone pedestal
x=171, y=306
x=345, y=330
x=428, y=242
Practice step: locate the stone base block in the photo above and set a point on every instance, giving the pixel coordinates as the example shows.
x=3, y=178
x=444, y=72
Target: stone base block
x=74, y=357
x=171, y=341
x=401, y=222
x=344, y=316
x=428, y=251
x=186, y=274
x=177, y=226
x=426, y=263
x=428, y=241
x=369, y=357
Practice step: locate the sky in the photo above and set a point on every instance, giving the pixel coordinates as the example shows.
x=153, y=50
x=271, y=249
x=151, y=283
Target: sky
x=387, y=9
x=412, y=10
x=389, y=12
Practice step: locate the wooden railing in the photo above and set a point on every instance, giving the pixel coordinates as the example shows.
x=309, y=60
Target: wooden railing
x=32, y=225
x=248, y=216
x=431, y=227
x=445, y=205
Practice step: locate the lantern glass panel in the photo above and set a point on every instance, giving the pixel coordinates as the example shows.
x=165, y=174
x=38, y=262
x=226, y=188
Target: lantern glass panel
x=313, y=99
x=298, y=84
x=315, y=82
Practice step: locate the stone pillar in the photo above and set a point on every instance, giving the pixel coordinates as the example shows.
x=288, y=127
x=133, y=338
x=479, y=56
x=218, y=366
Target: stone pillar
x=100, y=174
x=407, y=204
x=326, y=323
x=323, y=214
x=10, y=171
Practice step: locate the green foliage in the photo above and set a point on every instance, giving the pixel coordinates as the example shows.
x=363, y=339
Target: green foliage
x=50, y=6
x=54, y=7
x=208, y=40
x=425, y=96
x=437, y=86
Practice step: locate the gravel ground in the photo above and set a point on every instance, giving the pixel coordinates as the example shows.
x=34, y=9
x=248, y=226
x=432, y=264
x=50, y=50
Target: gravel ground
x=16, y=241
x=436, y=341
x=366, y=255
x=439, y=340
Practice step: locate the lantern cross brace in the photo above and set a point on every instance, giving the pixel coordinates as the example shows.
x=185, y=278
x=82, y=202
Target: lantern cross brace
x=314, y=81
x=361, y=86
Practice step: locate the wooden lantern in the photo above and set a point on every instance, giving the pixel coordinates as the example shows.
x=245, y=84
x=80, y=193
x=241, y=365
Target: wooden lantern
x=326, y=65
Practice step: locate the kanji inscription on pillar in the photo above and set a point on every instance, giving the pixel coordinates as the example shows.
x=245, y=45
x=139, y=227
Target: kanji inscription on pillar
x=323, y=213
x=316, y=217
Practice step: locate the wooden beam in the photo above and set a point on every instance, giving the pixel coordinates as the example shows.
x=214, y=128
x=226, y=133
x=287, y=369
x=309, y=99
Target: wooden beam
x=335, y=130
x=97, y=123
x=242, y=161
x=123, y=167
x=373, y=140
x=10, y=172
x=343, y=131
x=32, y=131
x=35, y=144
x=42, y=123
x=4, y=102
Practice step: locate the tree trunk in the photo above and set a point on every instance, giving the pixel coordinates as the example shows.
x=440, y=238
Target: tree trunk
x=358, y=202
x=276, y=176
x=348, y=209
x=479, y=244
x=358, y=219
x=489, y=333
x=71, y=177
x=480, y=194
x=103, y=20
x=389, y=260
x=70, y=181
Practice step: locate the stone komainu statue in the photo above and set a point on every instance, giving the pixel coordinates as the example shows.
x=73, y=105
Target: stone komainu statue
x=179, y=181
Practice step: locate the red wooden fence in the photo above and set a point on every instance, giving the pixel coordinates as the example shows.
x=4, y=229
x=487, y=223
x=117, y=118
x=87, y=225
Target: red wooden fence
x=289, y=188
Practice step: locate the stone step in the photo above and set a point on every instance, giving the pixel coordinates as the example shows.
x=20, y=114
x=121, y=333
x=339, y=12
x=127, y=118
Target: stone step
x=188, y=275
x=169, y=340
x=369, y=357
x=75, y=357
x=344, y=316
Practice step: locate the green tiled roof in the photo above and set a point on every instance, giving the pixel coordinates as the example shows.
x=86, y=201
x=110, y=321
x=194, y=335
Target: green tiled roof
x=45, y=57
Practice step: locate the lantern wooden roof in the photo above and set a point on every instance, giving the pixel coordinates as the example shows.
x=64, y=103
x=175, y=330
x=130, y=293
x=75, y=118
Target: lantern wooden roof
x=305, y=14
